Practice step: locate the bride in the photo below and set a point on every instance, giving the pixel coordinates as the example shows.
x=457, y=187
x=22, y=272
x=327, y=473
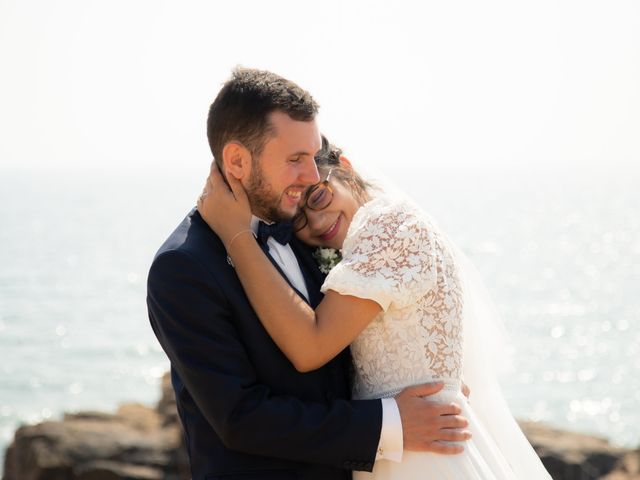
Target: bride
x=400, y=295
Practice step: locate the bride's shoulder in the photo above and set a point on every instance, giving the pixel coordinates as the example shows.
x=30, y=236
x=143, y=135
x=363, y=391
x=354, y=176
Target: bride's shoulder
x=392, y=207
x=388, y=214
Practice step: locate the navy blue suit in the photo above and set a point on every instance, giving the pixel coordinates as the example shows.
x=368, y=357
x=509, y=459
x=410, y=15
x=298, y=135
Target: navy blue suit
x=246, y=412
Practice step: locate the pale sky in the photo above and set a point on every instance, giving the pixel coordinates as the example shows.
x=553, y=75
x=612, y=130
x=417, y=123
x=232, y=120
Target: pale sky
x=126, y=84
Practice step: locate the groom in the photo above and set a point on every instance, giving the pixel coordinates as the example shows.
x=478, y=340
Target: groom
x=246, y=412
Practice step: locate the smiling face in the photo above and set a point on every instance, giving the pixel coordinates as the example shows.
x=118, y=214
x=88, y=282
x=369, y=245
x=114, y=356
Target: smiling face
x=328, y=227
x=284, y=169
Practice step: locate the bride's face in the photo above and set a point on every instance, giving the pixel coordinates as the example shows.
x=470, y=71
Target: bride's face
x=328, y=227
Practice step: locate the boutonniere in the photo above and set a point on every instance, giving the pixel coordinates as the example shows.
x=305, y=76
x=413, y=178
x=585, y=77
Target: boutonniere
x=327, y=258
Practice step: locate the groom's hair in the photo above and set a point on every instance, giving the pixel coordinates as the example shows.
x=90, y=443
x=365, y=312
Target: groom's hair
x=241, y=110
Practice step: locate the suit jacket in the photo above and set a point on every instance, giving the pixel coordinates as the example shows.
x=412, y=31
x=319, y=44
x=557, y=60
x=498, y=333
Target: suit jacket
x=246, y=412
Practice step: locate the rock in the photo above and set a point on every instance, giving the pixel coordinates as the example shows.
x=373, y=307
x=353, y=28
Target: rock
x=570, y=455
x=107, y=470
x=135, y=443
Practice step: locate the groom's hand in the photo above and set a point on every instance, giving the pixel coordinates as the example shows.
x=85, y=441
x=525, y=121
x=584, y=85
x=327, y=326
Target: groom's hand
x=428, y=426
x=466, y=391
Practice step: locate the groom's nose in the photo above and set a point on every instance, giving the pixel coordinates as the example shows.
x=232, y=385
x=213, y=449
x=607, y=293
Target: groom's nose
x=308, y=174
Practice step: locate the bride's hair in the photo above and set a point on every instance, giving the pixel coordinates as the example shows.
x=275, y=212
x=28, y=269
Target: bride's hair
x=328, y=157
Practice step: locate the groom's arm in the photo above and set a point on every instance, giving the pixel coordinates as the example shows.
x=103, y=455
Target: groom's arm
x=193, y=323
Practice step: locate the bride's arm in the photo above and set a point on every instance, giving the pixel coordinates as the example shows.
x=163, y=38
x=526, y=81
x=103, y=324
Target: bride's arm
x=309, y=339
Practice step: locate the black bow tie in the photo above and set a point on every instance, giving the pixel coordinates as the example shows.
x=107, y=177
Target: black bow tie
x=281, y=232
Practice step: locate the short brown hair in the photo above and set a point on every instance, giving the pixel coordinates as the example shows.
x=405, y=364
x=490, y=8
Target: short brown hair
x=241, y=110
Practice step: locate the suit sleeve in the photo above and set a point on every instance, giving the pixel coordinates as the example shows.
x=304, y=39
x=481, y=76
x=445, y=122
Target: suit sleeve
x=192, y=320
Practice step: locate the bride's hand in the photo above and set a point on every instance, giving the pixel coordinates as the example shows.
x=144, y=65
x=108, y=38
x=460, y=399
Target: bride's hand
x=224, y=207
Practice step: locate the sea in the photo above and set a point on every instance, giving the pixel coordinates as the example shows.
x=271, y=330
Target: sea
x=558, y=250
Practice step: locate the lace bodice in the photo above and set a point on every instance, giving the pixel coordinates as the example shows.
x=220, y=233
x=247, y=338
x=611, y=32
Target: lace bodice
x=393, y=254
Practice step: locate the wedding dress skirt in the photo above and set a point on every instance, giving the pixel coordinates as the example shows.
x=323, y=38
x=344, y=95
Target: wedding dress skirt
x=481, y=459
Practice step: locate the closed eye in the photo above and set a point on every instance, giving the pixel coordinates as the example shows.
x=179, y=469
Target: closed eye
x=317, y=197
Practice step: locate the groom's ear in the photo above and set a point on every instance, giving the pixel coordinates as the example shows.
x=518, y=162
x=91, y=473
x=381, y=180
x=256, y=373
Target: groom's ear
x=236, y=159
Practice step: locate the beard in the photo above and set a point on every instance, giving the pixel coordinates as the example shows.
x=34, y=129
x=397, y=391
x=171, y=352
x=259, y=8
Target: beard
x=265, y=203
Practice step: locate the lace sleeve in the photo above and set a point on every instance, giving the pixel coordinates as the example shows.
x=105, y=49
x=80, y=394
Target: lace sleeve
x=388, y=256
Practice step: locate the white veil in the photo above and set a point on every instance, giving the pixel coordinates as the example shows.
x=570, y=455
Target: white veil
x=485, y=355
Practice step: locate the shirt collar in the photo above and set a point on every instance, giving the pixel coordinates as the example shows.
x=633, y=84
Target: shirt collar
x=254, y=224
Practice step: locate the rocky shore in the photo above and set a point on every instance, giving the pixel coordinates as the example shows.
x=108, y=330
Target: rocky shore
x=143, y=443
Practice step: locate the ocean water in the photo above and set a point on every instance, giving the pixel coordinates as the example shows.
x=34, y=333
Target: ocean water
x=559, y=252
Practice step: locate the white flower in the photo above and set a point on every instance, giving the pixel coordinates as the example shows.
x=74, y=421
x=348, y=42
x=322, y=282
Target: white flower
x=327, y=258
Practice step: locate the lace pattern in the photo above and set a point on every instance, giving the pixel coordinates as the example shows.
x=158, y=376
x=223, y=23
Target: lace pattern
x=394, y=254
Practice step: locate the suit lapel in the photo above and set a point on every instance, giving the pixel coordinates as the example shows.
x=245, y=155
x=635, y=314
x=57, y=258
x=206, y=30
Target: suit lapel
x=313, y=277
x=275, y=264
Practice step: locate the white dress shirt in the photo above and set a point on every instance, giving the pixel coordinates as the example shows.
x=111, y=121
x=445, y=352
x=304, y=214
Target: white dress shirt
x=390, y=445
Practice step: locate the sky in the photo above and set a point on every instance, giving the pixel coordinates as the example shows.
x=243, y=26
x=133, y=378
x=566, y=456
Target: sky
x=404, y=86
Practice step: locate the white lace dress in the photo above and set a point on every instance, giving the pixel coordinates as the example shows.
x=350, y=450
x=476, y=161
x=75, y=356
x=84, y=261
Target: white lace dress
x=393, y=254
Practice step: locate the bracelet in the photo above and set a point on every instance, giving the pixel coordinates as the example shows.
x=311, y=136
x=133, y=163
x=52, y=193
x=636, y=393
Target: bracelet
x=236, y=236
